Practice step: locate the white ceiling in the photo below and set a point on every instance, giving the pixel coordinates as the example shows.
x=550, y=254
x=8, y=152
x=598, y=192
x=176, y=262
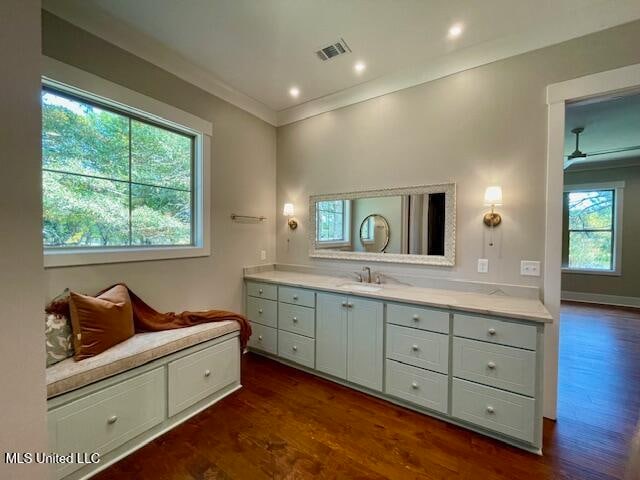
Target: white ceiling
x=258, y=49
x=610, y=123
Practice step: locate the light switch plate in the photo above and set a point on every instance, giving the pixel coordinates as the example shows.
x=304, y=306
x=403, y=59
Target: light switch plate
x=483, y=265
x=263, y=254
x=530, y=268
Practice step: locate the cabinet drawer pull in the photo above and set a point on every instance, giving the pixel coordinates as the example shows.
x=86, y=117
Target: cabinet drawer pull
x=295, y=297
x=416, y=317
x=295, y=319
x=492, y=331
x=112, y=419
x=260, y=311
x=491, y=365
x=207, y=373
x=295, y=348
x=344, y=304
x=260, y=291
x=415, y=385
x=350, y=305
x=490, y=409
x=415, y=348
x=259, y=338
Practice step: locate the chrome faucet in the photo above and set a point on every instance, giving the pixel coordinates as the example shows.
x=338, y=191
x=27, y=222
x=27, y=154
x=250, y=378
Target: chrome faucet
x=367, y=270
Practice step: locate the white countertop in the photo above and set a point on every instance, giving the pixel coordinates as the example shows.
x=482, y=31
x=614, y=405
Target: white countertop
x=496, y=304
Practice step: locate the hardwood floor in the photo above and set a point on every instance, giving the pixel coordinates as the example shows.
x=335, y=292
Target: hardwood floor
x=286, y=424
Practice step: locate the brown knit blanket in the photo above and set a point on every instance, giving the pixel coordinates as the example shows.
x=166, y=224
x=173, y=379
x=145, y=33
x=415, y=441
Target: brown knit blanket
x=146, y=319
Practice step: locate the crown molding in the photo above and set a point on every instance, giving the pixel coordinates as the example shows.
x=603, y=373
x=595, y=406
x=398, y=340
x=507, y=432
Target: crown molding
x=600, y=16
x=606, y=14
x=105, y=26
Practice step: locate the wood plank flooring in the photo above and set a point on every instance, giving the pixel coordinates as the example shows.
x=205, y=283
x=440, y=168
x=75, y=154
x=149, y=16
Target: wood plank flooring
x=286, y=424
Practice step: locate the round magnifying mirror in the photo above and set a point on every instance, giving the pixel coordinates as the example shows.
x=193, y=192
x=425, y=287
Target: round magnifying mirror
x=374, y=233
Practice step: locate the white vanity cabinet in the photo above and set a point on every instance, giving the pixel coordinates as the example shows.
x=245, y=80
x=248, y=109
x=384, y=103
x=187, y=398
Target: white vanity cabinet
x=479, y=371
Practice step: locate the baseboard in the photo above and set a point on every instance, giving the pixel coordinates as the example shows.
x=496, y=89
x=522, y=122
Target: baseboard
x=600, y=298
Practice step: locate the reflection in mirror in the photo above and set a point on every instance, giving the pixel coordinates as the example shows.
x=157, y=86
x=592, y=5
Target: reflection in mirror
x=374, y=233
x=405, y=225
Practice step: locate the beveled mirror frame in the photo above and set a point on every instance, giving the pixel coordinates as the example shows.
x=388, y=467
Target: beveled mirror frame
x=446, y=260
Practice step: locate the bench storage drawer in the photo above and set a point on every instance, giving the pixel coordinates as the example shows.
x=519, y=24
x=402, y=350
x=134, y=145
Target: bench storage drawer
x=498, y=366
x=262, y=290
x=418, y=317
x=500, y=411
x=415, y=385
x=297, y=348
x=297, y=296
x=264, y=338
x=495, y=331
x=296, y=319
x=264, y=312
x=418, y=348
x=104, y=420
x=202, y=373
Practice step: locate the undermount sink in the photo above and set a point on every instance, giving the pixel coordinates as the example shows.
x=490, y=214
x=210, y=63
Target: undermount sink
x=362, y=287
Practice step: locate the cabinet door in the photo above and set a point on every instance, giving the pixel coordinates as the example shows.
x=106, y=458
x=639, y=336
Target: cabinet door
x=331, y=334
x=364, y=357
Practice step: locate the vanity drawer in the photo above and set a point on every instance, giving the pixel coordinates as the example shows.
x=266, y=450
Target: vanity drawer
x=297, y=296
x=296, y=319
x=104, y=420
x=297, y=348
x=203, y=373
x=503, y=367
x=495, y=331
x=262, y=290
x=418, y=317
x=500, y=411
x=262, y=311
x=422, y=387
x=264, y=338
x=419, y=348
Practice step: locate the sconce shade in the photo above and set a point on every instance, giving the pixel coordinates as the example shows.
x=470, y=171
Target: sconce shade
x=493, y=195
x=288, y=210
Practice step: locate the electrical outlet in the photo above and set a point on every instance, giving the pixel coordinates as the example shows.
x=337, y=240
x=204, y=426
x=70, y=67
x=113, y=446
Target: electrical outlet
x=530, y=268
x=483, y=265
x=263, y=254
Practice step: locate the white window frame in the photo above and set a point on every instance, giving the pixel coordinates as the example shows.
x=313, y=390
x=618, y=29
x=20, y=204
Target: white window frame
x=618, y=188
x=346, y=229
x=66, y=78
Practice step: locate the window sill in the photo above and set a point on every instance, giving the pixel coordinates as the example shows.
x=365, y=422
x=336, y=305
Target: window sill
x=332, y=244
x=77, y=257
x=574, y=271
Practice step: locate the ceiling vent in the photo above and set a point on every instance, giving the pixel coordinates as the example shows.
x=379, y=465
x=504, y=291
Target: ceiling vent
x=333, y=50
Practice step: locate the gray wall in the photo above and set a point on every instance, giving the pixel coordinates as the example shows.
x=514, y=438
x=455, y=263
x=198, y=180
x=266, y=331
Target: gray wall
x=480, y=127
x=628, y=284
x=243, y=161
x=22, y=396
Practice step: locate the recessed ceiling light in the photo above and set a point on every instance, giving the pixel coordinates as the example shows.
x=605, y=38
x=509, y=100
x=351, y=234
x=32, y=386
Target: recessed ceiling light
x=294, y=92
x=359, y=67
x=455, y=30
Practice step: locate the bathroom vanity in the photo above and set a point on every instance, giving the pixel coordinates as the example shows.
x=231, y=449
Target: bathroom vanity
x=472, y=359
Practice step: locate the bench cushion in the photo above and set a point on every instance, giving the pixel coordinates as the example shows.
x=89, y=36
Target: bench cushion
x=141, y=348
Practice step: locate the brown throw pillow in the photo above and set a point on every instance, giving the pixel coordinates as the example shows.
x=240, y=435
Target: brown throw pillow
x=100, y=322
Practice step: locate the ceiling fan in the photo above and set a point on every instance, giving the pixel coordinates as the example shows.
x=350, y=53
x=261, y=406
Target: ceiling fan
x=577, y=153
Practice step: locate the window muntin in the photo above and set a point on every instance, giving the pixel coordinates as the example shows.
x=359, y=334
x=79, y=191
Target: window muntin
x=591, y=229
x=332, y=221
x=111, y=179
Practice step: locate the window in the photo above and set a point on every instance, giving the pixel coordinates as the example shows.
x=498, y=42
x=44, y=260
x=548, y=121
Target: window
x=111, y=179
x=593, y=217
x=333, y=222
x=125, y=176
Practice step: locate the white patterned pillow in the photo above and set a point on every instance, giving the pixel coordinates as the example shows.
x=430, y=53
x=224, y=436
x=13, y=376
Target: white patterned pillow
x=58, y=341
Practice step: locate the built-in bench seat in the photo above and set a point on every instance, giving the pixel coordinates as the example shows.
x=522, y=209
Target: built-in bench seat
x=142, y=348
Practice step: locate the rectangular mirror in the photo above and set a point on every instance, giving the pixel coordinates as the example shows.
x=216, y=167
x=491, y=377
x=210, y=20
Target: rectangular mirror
x=404, y=225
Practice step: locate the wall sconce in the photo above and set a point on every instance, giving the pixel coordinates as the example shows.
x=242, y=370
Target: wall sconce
x=288, y=211
x=492, y=197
